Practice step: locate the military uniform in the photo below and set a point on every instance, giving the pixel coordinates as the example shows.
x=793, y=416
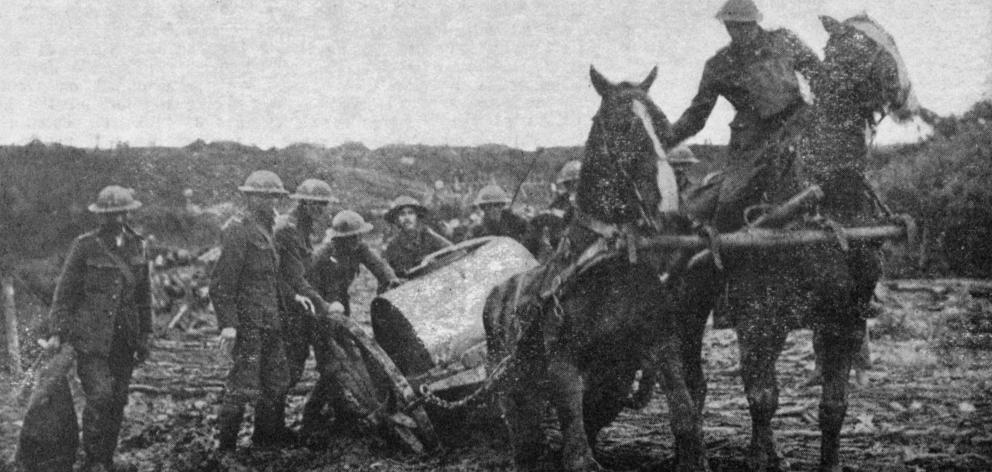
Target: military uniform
x=102, y=307
x=407, y=249
x=302, y=330
x=335, y=268
x=245, y=293
x=510, y=225
x=759, y=81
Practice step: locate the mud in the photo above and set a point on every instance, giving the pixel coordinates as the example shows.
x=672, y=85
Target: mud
x=927, y=406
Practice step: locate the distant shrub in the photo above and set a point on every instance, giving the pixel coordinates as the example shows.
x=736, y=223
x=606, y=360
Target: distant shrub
x=945, y=185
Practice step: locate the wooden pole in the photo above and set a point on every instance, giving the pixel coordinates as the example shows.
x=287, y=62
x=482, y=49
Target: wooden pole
x=10, y=315
x=770, y=238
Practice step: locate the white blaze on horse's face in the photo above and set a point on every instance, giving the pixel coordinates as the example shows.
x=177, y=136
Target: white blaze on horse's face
x=668, y=186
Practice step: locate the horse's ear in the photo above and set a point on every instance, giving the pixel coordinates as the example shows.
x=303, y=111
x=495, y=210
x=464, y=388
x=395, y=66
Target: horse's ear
x=646, y=83
x=832, y=26
x=600, y=83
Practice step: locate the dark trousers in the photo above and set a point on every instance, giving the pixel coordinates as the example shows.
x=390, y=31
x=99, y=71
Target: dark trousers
x=259, y=375
x=105, y=380
x=312, y=333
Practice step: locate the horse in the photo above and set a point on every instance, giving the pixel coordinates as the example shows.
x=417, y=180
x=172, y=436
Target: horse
x=827, y=287
x=579, y=343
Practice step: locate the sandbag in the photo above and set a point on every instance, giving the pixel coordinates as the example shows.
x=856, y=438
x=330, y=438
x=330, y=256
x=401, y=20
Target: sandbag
x=50, y=433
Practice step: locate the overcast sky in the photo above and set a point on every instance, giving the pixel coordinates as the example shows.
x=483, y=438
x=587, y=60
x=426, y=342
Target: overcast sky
x=432, y=71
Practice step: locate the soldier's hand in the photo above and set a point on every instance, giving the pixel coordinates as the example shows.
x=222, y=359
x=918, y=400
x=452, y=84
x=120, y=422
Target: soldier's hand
x=335, y=309
x=51, y=345
x=226, y=339
x=393, y=284
x=306, y=302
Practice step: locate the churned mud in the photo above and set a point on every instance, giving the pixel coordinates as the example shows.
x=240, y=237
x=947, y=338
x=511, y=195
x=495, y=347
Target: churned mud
x=927, y=406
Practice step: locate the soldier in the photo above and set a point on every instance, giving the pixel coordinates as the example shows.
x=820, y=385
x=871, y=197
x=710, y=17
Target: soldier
x=415, y=239
x=497, y=218
x=547, y=227
x=336, y=263
x=244, y=289
x=300, y=300
x=756, y=73
x=334, y=269
x=102, y=308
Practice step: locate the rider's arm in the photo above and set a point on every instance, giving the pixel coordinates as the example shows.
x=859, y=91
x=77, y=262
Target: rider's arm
x=807, y=62
x=694, y=118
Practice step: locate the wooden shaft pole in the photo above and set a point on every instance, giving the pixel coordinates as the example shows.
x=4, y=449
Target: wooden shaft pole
x=768, y=238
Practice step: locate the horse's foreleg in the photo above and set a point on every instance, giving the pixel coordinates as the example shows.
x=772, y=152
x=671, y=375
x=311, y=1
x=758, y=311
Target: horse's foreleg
x=760, y=347
x=839, y=349
x=685, y=417
x=567, y=388
x=692, y=359
x=523, y=409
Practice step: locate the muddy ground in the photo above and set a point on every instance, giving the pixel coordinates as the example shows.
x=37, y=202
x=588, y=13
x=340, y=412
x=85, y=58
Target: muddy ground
x=927, y=406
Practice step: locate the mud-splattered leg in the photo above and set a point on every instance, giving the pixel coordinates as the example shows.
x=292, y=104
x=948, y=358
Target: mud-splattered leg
x=523, y=405
x=566, y=389
x=761, y=344
x=840, y=345
x=686, y=421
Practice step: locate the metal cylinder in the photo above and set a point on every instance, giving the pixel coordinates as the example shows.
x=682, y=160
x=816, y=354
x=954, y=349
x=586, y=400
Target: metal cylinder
x=434, y=322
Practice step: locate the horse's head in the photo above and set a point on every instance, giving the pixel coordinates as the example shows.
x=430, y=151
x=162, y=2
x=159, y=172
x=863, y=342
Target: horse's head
x=863, y=70
x=620, y=180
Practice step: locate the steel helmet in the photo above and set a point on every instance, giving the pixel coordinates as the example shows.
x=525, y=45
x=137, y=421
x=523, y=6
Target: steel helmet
x=348, y=223
x=263, y=181
x=114, y=198
x=402, y=202
x=314, y=190
x=491, y=193
x=682, y=155
x=739, y=11
x=569, y=172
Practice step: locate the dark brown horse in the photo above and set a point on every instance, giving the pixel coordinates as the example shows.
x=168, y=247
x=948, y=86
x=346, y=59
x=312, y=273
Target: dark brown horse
x=823, y=287
x=580, y=344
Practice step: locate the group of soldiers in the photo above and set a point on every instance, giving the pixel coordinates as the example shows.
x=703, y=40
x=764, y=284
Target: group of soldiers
x=273, y=291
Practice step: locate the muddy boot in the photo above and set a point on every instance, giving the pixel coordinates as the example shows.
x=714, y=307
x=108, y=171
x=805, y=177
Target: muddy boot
x=270, y=427
x=228, y=425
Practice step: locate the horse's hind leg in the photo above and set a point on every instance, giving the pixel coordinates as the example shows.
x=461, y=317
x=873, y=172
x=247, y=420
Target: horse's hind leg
x=840, y=344
x=760, y=345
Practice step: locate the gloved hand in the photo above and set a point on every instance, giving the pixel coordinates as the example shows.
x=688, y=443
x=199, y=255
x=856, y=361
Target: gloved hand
x=51, y=345
x=306, y=302
x=227, y=336
x=144, y=349
x=334, y=309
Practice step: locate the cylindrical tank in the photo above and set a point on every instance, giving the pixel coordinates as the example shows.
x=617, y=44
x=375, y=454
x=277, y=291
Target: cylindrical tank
x=433, y=323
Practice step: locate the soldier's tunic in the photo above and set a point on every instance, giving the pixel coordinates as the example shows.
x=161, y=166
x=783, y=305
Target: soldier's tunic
x=336, y=266
x=334, y=269
x=244, y=289
x=759, y=80
x=510, y=225
x=547, y=227
x=102, y=307
x=407, y=249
